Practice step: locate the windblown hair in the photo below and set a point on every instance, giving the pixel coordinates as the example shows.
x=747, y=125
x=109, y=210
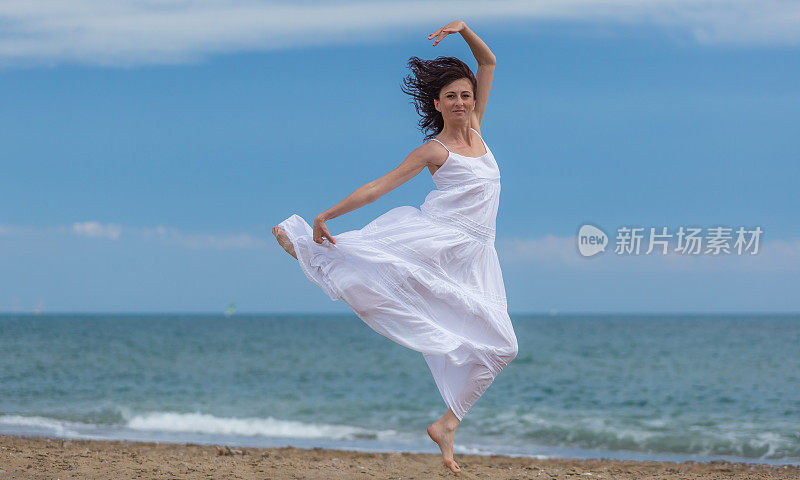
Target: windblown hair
x=425, y=84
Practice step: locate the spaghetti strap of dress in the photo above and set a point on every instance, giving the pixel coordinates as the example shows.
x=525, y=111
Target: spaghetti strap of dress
x=442, y=144
x=479, y=136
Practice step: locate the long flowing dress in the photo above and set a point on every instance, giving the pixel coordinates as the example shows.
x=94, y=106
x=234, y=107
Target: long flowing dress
x=428, y=278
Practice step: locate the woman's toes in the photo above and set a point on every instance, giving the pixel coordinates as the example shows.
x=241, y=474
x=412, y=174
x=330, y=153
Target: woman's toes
x=453, y=466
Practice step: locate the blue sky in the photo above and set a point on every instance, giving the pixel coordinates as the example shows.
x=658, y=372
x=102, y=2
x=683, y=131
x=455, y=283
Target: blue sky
x=145, y=157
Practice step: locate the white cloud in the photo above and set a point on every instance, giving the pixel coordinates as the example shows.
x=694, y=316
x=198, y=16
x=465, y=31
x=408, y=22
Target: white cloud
x=133, y=32
x=196, y=241
x=95, y=229
x=164, y=235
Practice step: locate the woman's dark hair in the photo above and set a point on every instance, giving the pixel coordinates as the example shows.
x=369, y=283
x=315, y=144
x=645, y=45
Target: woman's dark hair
x=425, y=83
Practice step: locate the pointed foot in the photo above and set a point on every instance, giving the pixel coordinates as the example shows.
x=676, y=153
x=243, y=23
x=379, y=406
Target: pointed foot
x=443, y=436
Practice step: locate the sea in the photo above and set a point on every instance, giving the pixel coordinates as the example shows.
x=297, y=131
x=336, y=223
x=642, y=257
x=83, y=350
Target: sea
x=640, y=387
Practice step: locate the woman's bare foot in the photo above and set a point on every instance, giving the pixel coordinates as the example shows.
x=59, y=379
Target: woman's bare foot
x=283, y=240
x=442, y=432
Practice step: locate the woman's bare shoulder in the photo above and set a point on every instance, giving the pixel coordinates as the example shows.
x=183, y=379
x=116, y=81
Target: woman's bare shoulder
x=432, y=153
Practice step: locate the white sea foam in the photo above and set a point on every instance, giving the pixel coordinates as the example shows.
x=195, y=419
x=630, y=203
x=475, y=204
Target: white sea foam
x=266, y=427
x=57, y=427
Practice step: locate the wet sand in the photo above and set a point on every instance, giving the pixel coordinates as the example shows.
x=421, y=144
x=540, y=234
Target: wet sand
x=32, y=457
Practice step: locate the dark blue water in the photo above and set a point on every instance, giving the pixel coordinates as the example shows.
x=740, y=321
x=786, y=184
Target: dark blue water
x=637, y=387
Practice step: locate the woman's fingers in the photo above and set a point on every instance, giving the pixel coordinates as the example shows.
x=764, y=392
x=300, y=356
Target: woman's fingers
x=452, y=27
x=445, y=32
x=321, y=234
x=321, y=231
x=437, y=33
x=327, y=235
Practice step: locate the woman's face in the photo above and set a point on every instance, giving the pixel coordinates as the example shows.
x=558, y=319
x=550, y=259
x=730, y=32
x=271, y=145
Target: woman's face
x=456, y=101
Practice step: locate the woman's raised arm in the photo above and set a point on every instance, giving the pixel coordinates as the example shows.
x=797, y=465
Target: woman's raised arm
x=484, y=56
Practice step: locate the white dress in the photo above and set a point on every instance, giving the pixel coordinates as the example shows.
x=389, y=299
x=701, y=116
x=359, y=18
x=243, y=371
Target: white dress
x=428, y=278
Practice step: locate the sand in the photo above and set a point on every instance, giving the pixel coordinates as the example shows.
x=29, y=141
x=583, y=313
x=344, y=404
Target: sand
x=30, y=457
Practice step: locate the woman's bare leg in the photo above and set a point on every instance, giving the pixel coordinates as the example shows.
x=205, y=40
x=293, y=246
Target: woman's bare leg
x=442, y=432
x=283, y=240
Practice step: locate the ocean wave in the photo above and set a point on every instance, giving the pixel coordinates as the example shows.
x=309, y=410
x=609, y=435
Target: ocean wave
x=199, y=423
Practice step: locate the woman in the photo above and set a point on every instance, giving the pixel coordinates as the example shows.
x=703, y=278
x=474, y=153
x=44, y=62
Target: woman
x=428, y=278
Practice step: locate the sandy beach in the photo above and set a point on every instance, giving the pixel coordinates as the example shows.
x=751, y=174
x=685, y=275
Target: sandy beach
x=32, y=457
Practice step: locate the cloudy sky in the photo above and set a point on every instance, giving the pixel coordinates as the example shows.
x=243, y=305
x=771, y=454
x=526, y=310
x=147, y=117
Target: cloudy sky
x=149, y=146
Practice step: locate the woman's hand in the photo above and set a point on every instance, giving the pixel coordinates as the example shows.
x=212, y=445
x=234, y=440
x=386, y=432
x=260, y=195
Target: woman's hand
x=320, y=230
x=453, y=27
